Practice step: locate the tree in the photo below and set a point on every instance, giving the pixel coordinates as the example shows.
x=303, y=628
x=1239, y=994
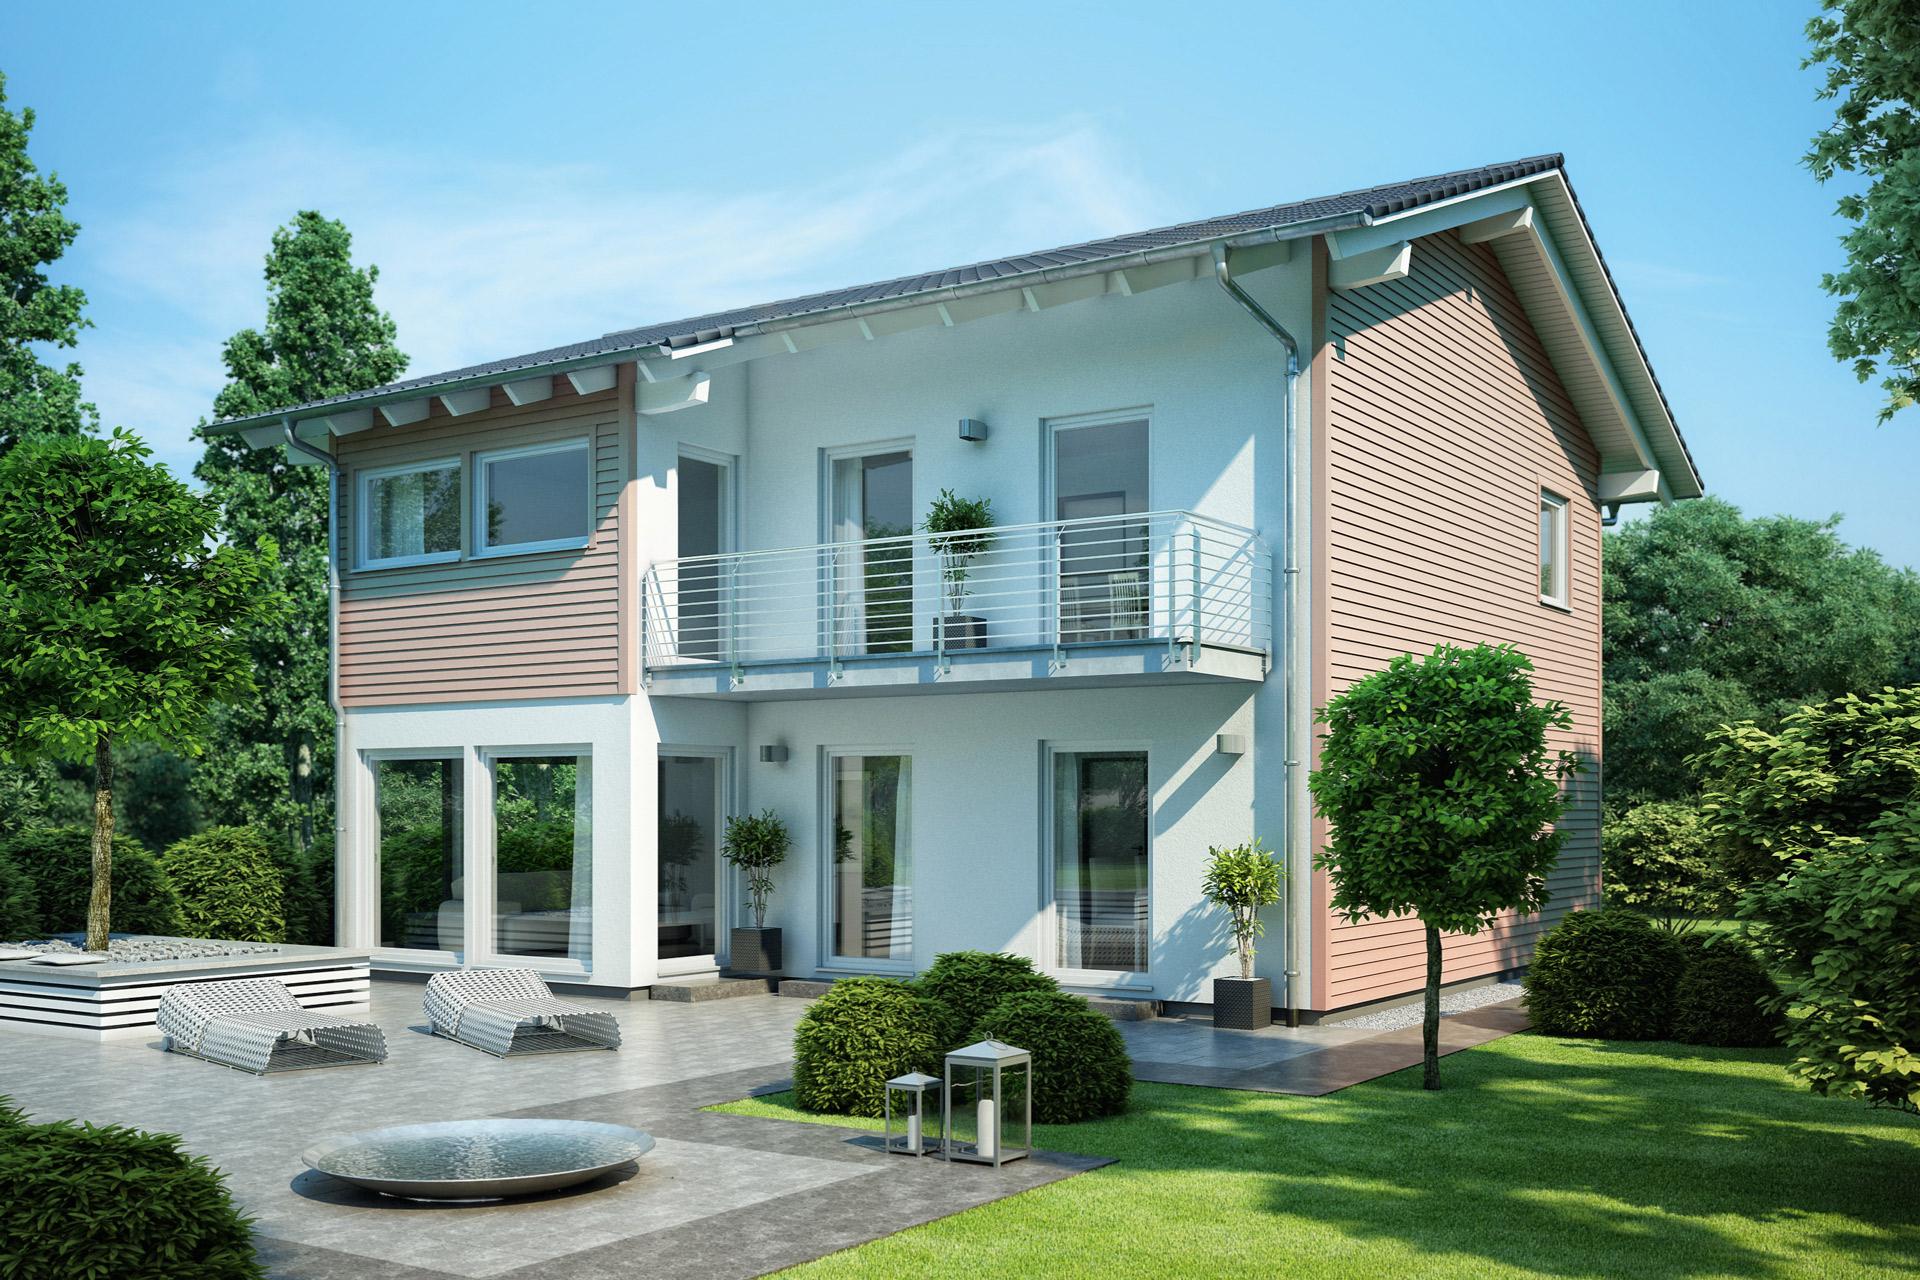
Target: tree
x=1712, y=618
x=1659, y=858
x=1442, y=794
x=1244, y=879
x=323, y=337
x=119, y=619
x=1870, y=50
x=35, y=398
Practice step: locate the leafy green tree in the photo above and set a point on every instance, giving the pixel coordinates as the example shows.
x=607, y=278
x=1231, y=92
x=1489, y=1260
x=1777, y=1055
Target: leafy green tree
x=35, y=398
x=324, y=336
x=1442, y=794
x=119, y=617
x=1713, y=618
x=1870, y=51
x=1659, y=858
x=1244, y=879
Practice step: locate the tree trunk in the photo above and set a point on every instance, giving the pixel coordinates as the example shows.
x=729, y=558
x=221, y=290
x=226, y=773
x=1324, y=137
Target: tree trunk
x=1430, y=1030
x=100, y=902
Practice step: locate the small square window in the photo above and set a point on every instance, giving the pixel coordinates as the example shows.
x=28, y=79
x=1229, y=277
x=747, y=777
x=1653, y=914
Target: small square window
x=1553, y=550
x=410, y=514
x=531, y=499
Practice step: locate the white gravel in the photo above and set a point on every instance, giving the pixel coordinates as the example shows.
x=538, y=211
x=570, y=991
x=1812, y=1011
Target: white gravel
x=1451, y=1002
x=137, y=949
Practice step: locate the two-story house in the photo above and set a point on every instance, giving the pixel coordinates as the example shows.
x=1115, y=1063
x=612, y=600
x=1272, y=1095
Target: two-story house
x=593, y=600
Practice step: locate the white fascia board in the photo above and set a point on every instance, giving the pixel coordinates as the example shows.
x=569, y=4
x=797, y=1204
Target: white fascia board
x=1429, y=220
x=698, y=349
x=1357, y=271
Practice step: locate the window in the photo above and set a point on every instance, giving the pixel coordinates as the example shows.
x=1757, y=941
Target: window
x=705, y=505
x=410, y=514
x=532, y=499
x=1553, y=549
x=418, y=815
x=1099, y=477
x=543, y=857
x=871, y=500
x=1100, y=859
x=692, y=817
x=870, y=882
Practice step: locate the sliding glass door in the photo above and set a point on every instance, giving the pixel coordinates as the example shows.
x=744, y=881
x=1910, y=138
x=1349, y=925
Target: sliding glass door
x=543, y=857
x=419, y=811
x=872, y=586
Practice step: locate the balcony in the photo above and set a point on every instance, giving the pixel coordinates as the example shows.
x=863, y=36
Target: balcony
x=1155, y=597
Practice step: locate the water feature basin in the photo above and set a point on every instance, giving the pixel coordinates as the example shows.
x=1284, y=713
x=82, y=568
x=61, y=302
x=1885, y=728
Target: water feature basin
x=477, y=1159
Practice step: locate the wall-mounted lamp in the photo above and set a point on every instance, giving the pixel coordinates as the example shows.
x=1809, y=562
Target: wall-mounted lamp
x=773, y=754
x=973, y=429
x=1231, y=744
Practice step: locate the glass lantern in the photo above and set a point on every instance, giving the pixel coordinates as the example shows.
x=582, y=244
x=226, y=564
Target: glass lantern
x=912, y=1128
x=986, y=1105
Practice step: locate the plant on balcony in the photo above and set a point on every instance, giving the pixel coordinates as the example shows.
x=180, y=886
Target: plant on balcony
x=755, y=844
x=959, y=533
x=1243, y=878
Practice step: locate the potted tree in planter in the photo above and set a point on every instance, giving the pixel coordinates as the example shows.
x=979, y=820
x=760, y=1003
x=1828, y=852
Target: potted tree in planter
x=1243, y=879
x=756, y=844
x=957, y=526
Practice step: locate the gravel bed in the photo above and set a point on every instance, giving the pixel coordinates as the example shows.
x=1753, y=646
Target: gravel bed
x=134, y=950
x=1451, y=1002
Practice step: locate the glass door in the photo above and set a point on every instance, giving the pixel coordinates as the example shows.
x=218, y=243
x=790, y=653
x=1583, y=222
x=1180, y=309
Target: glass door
x=704, y=499
x=1100, y=475
x=420, y=859
x=693, y=814
x=872, y=587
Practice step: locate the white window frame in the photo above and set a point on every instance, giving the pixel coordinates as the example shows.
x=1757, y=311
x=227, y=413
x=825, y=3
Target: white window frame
x=829, y=962
x=363, y=486
x=1562, y=595
x=1112, y=979
x=481, y=900
x=1055, y=426
x=482, y=549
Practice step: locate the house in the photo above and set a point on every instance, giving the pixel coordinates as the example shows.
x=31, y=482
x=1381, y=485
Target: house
x=593, y=600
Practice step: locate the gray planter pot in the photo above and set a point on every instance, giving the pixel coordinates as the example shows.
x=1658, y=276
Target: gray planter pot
x=754, y=951
x=1243, y=1004
x=963, y=631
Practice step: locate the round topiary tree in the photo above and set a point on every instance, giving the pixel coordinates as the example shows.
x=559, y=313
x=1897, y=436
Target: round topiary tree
x=228, y=885
x=856, y=1037
x=1724, y=996
x=971, y=983
x=1604, y=974
x=1080, y=1063
x=19, y=902
x=59, y=860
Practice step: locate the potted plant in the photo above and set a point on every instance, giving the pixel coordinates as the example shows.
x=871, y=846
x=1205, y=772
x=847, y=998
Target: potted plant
x=1243, y=879
x=756, y=844
x=957, y=525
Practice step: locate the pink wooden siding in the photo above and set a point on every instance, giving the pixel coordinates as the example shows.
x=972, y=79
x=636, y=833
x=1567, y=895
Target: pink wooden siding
x=543, y=625
x=1439, y=421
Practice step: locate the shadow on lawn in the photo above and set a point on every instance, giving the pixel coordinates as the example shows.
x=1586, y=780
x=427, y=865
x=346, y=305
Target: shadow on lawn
x=1566, y=1168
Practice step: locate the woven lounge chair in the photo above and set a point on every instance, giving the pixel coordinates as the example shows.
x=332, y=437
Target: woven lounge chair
x=255, y=1024
x=511, y=1012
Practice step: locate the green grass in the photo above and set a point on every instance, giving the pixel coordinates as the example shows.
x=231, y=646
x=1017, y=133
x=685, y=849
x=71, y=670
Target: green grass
x=1541, y=1157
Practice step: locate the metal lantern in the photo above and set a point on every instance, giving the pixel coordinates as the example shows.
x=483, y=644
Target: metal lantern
x=909, y=1103
x=986, y=1106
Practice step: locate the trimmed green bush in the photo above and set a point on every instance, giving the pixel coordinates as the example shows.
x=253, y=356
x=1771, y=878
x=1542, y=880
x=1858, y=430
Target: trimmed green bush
x=228, y=885
x=971, y=983
x=1080, y=1063
x=1724, y=996
x=19, y=902
x=1605, y=974
x=59, y=861
x=856, y=1037
x=86, y=1200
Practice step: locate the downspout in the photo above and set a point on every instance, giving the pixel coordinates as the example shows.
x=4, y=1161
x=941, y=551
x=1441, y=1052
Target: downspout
x=296, y=447
x=1290, y=576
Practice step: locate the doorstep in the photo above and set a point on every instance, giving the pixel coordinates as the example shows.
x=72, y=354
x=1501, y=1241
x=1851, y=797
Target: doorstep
x=702, y=989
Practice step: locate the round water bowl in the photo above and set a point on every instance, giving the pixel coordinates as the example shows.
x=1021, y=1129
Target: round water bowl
x=478, y=1159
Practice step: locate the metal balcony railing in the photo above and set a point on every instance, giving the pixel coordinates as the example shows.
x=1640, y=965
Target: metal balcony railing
x=1169, y=577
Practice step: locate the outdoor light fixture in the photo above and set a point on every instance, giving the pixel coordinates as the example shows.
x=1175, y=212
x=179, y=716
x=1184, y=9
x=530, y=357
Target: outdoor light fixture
x=1231, y=744
x=986, y=1105
x=973, y=429
x=774, y=753
x=912, y=1094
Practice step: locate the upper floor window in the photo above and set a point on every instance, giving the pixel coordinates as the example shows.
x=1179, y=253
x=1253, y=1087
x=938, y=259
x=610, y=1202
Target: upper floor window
x=410, y=514
x=533, y=499
x=1553, y=550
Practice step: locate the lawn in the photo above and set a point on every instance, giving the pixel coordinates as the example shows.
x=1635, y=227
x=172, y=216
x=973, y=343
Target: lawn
x=1541, y=1157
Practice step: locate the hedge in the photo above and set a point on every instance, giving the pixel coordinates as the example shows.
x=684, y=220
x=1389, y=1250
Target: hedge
x=59, y=860
x=1080, y=1063
x=859, y=1035
x=1724, y=996
x=1606, y=974
x=971, y=983
x=228, y=885
x=19, y=902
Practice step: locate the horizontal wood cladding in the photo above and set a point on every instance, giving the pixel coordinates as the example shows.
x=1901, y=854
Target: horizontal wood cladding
x=1443, y=419
x=541, y=625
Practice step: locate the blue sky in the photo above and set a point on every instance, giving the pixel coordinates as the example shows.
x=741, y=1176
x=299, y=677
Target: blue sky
x=532, y=175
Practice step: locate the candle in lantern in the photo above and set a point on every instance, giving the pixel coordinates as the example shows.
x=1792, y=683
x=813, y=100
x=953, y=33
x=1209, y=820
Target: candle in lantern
x=913, y=1130
x=988, y=1122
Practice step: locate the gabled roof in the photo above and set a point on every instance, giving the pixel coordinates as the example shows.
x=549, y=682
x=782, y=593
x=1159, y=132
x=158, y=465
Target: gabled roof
x=1364, y=207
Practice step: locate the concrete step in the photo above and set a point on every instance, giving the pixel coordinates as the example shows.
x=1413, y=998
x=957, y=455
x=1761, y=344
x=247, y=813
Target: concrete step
x=1122, y=1010
x=700, y=990
x=802, y=988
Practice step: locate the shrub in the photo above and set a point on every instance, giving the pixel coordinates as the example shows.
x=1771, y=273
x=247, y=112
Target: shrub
x=755, y=844
x=19, y=902
x=306, y=898
x=82, y=1200
x=1724, y=996
x=1080, y=1063
x=1607, y=974
x=1659, y=858
x=1243, y=878
x=856, y=1037
x=228, y=885
x=970, y=983
x=59, y=860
